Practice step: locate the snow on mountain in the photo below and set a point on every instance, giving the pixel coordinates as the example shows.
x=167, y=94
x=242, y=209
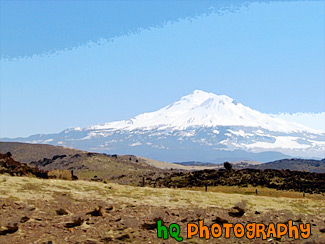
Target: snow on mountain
x=204, y=109
x=201, y=126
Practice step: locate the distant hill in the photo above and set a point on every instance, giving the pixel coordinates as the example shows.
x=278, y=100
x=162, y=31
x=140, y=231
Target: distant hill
x=241, y=164
x=195, y=163
x=26, y=152
x=86, y=165
x=298, y=164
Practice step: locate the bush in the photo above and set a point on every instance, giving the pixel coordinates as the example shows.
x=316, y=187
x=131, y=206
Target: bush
x=227, y=166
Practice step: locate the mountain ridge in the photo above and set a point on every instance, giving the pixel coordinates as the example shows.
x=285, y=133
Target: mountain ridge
x=200, y=126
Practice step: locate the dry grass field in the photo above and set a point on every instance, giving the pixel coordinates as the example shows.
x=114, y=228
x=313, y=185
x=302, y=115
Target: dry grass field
x=261, y=191
x=59, y=211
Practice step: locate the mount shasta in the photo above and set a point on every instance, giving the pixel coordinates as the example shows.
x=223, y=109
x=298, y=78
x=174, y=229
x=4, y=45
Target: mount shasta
x=200, y=126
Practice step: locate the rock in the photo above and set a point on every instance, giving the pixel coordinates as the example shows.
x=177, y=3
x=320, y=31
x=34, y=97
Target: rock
x=110, y=208
x=96, y=212
x=4, y=230
x=90, y=242
x=61, y=211
x=298, y=220
x=31, y=208
x=149, y=226
x=123, y=237
x=24, y=219
x=107, y=239
x=75, y=223
x=219, y=220
x=239, y=213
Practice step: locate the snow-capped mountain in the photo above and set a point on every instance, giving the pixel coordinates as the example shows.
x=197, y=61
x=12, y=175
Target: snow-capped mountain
x=203, y=109
x=199, y=126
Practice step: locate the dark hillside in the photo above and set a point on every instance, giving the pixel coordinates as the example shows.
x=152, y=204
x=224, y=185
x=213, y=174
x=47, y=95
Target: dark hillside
x=271, y=178
x=12, y=167
x=298, y=164
x=26, y=152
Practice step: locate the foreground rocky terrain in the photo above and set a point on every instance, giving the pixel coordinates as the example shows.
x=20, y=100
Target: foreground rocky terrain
x=58, y=211
x=90, y=207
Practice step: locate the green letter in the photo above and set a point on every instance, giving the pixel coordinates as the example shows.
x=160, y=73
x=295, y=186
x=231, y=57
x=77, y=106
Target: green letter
x=162, y=228
x=175, y=233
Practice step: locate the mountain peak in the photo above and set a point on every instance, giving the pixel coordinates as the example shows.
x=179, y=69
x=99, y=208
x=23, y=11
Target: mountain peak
x=199, y=97
x=204, y=94
x=205, y=109
x=200, y=93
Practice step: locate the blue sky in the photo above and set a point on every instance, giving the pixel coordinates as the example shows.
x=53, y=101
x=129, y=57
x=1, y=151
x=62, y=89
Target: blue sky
x=65, y=65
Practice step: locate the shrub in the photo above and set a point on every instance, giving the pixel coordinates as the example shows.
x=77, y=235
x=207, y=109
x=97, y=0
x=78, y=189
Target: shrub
x=227, y=166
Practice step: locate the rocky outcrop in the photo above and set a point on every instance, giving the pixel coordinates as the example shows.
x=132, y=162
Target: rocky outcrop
x=10, y=166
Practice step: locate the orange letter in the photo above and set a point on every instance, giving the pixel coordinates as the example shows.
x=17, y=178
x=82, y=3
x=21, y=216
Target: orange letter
x=241, y=233
x=281, y=233
x=205, y=229
x=307, y=230
x=271, y=230
x=227, y=227
x=250, y=228
x=213, y=231
x=293, y=228
x=260, y=230
x=191, y=233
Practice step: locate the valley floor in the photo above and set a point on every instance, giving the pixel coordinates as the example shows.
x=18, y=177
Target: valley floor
x=57, y=211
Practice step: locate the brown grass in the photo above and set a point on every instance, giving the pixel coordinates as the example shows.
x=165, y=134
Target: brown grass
x=261, y=191
x=26, y=188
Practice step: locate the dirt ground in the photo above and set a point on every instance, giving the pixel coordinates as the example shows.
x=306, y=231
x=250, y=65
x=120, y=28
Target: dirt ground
x=57, y=211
